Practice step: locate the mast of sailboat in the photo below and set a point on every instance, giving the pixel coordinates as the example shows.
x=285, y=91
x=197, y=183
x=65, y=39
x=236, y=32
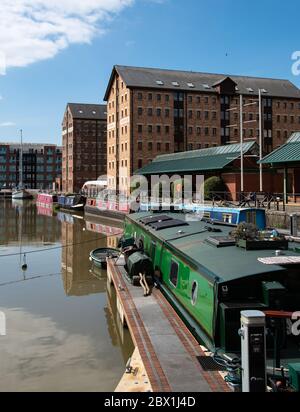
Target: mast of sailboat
x=21, y=162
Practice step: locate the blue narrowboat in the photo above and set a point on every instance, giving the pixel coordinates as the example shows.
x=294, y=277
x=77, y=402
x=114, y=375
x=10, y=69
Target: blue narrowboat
x=71, y=202
x=220, y=215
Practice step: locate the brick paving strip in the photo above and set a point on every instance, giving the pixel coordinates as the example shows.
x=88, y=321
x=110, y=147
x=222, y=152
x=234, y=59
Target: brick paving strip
x=168, y=349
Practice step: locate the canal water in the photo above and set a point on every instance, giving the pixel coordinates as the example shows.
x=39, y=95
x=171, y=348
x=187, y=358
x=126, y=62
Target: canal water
x=62, y=328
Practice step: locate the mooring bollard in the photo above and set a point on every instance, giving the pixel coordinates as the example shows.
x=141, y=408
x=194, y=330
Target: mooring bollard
x=294, y=224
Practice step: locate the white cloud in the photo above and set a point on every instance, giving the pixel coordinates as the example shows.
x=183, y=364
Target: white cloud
x=38, y=355
x=35, y=30
x=7, y=124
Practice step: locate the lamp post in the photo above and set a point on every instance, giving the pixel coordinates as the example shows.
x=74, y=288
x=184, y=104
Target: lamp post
x=260, y=142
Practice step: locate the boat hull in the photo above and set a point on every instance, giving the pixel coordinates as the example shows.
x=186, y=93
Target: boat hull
x=21, y=195
x=74, y=203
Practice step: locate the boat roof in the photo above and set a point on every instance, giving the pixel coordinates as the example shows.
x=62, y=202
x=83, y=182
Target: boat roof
x=204, y=208
x=223, y=264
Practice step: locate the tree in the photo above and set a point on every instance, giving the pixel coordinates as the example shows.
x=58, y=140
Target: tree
x=213, y=184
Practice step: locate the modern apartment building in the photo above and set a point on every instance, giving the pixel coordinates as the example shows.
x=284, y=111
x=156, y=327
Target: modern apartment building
x=84, y=145
x=41, y=165
x=152, y=112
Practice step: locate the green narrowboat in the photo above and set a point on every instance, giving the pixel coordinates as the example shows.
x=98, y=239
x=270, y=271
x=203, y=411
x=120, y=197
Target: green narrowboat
x=210, y=280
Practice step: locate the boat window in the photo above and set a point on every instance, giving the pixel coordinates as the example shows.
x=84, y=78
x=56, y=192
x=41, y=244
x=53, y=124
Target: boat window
x=206, y=215
x=194, y=294
x=174, y=273
x=251, y=216
x=227, y=218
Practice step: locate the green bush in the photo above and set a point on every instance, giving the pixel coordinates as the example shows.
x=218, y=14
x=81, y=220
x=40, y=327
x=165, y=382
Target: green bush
x=213, y=184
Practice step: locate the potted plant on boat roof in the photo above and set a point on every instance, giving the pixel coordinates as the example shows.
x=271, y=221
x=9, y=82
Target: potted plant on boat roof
x=245, y=233
x=247, y=236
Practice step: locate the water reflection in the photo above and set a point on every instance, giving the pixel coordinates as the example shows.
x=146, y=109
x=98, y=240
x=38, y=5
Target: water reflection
x=63, y=332
x=35, y=228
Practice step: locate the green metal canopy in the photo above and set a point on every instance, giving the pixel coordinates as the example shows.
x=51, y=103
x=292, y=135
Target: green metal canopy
x=213, y=158
x=288, y=153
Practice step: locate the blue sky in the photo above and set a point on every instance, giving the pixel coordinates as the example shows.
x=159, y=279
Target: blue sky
x=64, y=59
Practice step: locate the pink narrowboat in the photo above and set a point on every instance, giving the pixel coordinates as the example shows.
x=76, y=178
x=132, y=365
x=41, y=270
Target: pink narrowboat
x=46, y=200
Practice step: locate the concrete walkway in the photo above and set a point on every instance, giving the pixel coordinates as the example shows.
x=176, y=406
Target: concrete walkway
x=167, y=348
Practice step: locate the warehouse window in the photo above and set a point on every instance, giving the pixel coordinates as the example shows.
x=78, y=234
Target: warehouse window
x=174, y=273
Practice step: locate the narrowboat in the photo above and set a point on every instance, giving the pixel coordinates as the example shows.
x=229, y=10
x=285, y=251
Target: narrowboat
x=225, y=215
x=107, y=205
x=72, y=203
x=209, y=279
x=46, y=200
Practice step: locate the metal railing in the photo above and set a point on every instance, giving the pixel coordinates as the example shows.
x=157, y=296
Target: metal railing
x=265, y=200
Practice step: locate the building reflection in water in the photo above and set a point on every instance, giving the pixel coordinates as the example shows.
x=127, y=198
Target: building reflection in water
x=81, y=278
x=36, y=229
x=81, y=237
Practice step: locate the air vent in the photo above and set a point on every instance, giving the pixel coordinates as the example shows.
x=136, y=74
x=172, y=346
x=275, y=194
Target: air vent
x=264, y=91
x=154, y=219
x=206, y=86
x=191, y=85
x=168, y=224
x=160, y=82
x=176, y=84
x=250, y=90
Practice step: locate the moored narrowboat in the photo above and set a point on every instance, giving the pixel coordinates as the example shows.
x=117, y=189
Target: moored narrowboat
x=210, y=277
x=224, y=215
x=46, y=200
x=107, y=205
x=72, y=203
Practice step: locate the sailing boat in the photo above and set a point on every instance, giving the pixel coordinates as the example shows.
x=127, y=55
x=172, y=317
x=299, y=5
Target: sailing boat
x=21, y=193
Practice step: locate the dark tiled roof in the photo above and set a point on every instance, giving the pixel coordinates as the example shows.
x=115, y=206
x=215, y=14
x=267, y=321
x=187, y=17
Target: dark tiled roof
x=201, y=82
x=88, y=111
